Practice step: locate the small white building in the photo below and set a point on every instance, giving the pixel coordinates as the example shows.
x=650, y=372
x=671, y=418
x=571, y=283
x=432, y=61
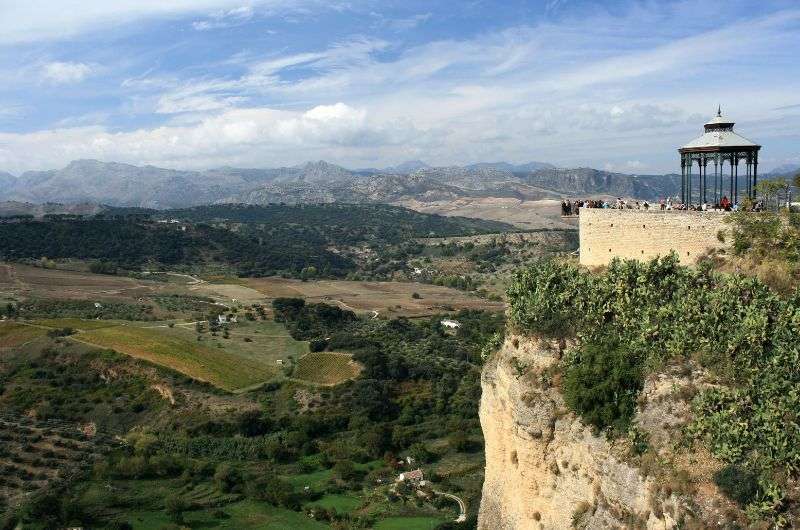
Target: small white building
x=415, y=477
x=224, y=319
x=451, y=324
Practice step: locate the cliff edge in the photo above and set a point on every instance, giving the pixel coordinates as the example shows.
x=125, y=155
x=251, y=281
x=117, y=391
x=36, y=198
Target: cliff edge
x=545, y=469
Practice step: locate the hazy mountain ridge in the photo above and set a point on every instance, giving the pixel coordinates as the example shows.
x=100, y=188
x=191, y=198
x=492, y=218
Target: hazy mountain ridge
x=116, y=184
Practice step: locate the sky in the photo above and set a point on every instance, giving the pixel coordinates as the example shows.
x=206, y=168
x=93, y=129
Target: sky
x=194, y=84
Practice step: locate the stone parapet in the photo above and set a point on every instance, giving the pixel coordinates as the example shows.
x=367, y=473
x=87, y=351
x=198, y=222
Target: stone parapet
x=643, y=234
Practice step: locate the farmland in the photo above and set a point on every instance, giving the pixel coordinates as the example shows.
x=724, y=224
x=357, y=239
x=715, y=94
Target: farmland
x=230, y=364
x=13, y=335
x=326, y=368
x=387, y=298
x=34, y=453
x=17, y=280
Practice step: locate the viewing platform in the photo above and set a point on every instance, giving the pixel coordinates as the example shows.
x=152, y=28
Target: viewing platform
x=607, y=233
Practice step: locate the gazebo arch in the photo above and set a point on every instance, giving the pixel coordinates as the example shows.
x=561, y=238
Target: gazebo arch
x=718, y=144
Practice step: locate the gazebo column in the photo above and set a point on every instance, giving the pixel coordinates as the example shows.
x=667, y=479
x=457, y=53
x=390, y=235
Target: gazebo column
x=683, y=179
x=730, y=197
x=736, y=179
x=705, y=180
x=700, y=178
x=755, y=174
x=716, y=180
x=689, y=182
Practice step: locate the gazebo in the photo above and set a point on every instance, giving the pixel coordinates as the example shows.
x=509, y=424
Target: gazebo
x=718, y=145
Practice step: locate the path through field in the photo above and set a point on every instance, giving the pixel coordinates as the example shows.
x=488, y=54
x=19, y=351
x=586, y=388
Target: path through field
x=462, y=506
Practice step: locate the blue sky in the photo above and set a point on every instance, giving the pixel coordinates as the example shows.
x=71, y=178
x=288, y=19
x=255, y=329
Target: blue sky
x=203, y=83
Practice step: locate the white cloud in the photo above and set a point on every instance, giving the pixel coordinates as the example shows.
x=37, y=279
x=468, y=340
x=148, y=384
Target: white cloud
x=36, y=20
x=225, y=19
x=252, y=136
x=65, y=72
x=405, y=24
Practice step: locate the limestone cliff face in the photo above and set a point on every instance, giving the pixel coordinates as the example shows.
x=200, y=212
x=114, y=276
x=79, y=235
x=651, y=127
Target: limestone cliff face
x=544, y=468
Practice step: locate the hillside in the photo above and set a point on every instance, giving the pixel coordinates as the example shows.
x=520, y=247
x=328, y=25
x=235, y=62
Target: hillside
x=251, y=240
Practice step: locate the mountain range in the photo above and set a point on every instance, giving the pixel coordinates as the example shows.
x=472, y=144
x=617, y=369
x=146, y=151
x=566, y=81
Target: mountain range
x=115, y=184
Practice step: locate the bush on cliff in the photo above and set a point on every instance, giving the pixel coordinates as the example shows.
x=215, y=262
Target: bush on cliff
x=602, y=385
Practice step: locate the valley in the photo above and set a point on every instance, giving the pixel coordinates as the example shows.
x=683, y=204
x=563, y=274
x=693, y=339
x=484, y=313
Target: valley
x=237, y=400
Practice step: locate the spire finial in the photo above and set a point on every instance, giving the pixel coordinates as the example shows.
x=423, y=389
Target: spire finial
x=719, y=110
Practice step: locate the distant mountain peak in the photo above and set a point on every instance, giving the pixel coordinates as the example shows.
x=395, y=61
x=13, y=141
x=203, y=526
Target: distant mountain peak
x=408, y=166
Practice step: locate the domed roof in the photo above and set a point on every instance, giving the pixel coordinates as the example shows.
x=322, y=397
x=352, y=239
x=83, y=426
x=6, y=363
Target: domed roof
x=719, y=121
x=719, y=135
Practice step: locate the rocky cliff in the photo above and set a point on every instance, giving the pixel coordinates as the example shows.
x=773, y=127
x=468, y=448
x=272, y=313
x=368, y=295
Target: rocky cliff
x=545, y=469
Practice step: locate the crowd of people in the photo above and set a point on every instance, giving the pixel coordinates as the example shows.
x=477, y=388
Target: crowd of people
x=570, y=208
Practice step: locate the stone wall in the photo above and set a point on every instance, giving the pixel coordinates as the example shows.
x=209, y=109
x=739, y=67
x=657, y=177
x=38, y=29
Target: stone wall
x=639, y=234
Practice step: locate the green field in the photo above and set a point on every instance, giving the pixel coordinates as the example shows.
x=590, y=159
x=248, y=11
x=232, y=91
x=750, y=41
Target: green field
x=75, y=323
x=216, y=366
x=13, y=334
x=326, y=368
x=341, y=503
x=315, y=480
x=408, y=523
x=244, y=515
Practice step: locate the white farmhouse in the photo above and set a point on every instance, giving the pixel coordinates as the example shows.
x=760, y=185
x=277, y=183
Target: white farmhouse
x=451, y=324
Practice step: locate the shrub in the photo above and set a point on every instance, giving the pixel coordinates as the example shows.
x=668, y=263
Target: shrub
x=601, y=385
x=317, y=345
x=174, y=506
x=737, y=483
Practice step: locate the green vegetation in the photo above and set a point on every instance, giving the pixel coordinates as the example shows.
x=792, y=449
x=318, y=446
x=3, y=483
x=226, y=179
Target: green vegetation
x=108, y=240
x=738, y=483
x=79, y=309
x=251, y=240
x=408, y=523
x=602, y=384
x=184, y=303
x=734, y=326
x=344, y=223
x=765, y=245
x=74, y=323
x=200, y=457
x=64, y=383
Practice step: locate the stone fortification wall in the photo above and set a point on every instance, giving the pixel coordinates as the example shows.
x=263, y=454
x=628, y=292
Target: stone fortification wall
x=639, y=234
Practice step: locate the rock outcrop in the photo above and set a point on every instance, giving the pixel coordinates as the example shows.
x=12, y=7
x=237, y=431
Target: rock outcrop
x=546, y=470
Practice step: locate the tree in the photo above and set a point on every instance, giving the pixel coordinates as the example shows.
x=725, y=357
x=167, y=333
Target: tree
x=174, y=506
x=286, y=309
x=227, y=478
x=420, y=453
x=345, y=470
x=774, y=192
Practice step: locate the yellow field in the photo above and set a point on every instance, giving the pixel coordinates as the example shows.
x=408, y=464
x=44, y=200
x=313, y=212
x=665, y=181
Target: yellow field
x=13, y=334
x=175, y=350
x=326, y=368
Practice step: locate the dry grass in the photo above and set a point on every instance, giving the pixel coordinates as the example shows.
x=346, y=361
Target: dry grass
x=34, y=282
x=13, y=334
x=365, y=297
x=327, y=368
